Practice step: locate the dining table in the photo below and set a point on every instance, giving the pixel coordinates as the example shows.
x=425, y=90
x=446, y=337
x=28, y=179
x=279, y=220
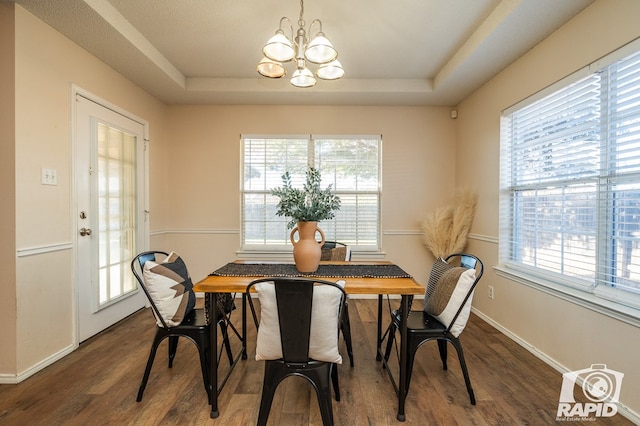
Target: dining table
x=361, y=278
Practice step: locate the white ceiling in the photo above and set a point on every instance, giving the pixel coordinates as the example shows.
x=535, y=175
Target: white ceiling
x=401, y=52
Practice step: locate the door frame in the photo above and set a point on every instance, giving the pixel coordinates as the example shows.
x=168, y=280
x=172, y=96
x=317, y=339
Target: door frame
x=143, y=227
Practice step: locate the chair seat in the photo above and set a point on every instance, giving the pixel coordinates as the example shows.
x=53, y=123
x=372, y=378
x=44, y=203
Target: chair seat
x=194, y=319
x=422, y=321
x=197, y=319
x=302, y=365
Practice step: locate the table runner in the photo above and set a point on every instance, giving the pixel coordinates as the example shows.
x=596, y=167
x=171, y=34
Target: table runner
x=328, y=271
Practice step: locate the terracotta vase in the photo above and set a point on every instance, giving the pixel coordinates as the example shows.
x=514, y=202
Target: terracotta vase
x=306, y=250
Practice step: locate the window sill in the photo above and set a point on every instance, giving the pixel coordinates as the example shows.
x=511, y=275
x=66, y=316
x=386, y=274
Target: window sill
x=593, y=302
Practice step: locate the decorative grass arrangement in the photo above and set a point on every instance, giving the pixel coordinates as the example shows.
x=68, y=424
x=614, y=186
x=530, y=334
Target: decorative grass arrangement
x=309, y=204
x=445, y=230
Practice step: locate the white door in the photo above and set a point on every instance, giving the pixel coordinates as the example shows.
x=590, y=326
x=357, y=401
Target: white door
x=110, y=185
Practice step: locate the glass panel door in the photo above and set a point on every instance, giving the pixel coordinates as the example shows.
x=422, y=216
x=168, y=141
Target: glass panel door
x=116, y=181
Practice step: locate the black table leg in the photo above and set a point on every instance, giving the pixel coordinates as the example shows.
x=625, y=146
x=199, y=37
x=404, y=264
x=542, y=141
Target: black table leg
x=244, y=326
x=402, y=391
x=213, y=370
x=379, y=338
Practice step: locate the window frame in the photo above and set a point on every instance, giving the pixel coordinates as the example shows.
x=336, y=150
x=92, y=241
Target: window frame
x=613, y=301
x=277, y=250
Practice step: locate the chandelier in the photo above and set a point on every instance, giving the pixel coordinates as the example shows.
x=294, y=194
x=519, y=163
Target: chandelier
x=319, y=51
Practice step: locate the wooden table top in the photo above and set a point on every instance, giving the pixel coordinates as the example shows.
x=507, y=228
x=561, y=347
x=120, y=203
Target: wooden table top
x=354, y=285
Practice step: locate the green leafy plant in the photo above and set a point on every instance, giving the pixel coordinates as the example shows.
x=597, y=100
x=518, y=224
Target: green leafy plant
x=309, y=204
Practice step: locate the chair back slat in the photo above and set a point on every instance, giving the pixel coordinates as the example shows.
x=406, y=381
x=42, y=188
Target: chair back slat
x=294, y=302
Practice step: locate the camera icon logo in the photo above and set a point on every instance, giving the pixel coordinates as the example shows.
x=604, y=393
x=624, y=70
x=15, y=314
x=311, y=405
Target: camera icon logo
x=600, y=386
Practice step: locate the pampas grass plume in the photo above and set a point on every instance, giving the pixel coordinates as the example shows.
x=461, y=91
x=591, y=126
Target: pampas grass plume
x=445, y=230
x=463, y=215
x=436, y=229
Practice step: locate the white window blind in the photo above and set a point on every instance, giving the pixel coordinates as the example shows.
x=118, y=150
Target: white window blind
x=570, y=182
x=351, y=164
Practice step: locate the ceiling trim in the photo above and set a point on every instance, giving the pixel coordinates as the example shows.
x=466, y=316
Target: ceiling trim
x=119, y=23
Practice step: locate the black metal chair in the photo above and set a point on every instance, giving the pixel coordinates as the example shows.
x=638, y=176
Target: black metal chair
x=292, y=300
x=333, y=250
x=194, y=326
x=423, y=326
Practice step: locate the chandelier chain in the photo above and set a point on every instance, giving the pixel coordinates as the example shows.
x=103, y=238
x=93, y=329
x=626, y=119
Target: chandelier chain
x=301, y=22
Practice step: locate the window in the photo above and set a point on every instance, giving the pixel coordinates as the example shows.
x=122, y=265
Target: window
x=351, y=164
x=116, y=203
x=570, y=182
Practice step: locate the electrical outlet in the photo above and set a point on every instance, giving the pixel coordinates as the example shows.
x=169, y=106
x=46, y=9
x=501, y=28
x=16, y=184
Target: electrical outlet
x=490, y=292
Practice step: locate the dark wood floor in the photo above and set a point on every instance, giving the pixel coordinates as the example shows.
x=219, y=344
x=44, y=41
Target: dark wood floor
x=97, y=385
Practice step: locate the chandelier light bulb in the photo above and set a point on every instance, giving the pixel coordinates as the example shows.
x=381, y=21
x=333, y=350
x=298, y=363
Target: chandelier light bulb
x=320, y=50
x=303, y=78
x=331, y=71
x=279, y=48
x=270, y=68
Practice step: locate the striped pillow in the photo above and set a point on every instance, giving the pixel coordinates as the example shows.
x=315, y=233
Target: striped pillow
x=440, y=266
x=450, y=291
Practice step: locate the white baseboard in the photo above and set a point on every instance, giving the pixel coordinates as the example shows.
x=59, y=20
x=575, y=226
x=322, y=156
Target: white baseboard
x=14, y=379
x=623, y=410
x=8, y=379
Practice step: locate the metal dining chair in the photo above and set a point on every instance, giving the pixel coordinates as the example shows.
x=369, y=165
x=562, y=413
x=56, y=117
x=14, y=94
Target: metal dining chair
x=298, y=336
x=157, y=269
x=446, y=308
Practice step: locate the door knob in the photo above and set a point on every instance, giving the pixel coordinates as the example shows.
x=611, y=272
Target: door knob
x=85, y=232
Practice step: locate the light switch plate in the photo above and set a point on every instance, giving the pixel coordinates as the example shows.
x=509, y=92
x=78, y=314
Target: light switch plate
x=49, y=176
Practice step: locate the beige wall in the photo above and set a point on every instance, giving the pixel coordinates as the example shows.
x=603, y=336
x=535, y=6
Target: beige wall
x=564, y=333
x=46, y=66
x=7, y=189
x=205, y=172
